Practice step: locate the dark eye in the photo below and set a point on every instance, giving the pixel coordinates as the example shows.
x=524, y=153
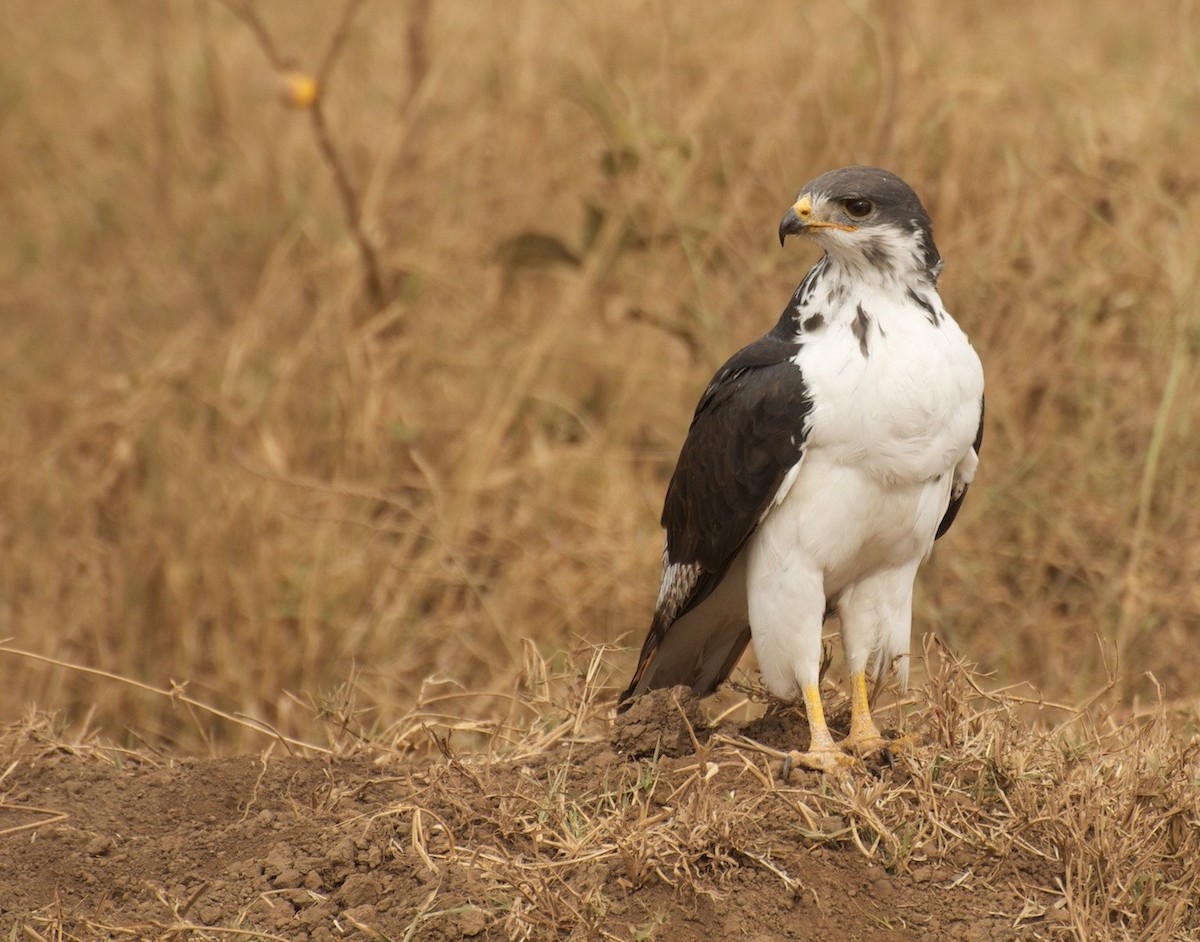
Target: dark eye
x=858, y=208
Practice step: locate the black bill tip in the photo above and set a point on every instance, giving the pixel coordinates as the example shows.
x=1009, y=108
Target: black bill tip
x=790, y=225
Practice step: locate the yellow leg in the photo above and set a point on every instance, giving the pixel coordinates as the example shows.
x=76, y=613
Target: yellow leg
x=864, y=734
x=819, y=738
x=823, y=753
x=865, y=737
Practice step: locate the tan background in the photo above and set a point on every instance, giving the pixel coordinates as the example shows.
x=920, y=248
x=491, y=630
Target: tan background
x=222, y=465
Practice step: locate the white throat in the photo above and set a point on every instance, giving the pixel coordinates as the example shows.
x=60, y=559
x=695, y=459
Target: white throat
x=880, y=258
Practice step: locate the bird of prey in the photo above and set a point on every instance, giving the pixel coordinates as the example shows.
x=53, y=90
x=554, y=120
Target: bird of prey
x=822, y=462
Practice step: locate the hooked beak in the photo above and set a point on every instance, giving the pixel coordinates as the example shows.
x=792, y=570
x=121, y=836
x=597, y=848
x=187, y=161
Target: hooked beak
x=796, y=219
x=800, y=219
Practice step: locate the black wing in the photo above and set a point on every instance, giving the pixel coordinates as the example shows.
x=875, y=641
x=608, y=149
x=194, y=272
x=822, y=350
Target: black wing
x=748, y=431
x=959, y=492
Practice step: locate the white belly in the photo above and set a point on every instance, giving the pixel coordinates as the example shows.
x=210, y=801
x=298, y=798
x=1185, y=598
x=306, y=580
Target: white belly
x=841, y=522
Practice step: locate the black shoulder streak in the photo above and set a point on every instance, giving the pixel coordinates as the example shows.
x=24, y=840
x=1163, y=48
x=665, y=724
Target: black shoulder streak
x=815, y=322
x=862, y=323
x=934, y=315
x=748, y=431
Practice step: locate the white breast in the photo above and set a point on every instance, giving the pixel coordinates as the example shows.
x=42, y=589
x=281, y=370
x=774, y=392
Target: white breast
x=895, y=412
x=897, y=398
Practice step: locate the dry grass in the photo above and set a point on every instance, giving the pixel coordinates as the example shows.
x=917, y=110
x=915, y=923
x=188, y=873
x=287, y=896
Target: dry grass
x=1112, y=805
x=547, y=835
x=230, y=473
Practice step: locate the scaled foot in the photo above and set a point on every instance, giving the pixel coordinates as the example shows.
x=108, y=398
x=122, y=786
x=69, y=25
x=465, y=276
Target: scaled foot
x=865, y=739
x=867, y=743
x=828, y=761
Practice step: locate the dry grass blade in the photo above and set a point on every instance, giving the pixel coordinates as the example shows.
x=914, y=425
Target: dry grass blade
x=174, y=694
x=52, y=817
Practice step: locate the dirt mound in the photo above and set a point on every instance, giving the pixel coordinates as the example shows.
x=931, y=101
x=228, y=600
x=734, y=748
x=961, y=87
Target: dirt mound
x=570, y=843
x=662, y=722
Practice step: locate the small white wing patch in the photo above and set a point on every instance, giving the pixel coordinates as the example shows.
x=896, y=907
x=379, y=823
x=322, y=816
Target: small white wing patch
x=785, y=485
x=678, y=582
x=964, y=474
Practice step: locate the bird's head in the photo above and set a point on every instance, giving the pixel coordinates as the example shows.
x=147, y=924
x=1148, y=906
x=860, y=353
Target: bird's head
x=866, y=219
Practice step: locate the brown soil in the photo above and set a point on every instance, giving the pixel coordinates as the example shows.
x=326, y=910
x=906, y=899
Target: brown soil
x=99, y=843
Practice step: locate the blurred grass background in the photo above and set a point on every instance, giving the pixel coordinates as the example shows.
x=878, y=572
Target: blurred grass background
x=224, y=465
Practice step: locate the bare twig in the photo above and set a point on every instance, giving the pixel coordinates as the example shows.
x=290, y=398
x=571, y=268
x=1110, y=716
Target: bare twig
x=418, y=54
x=244, y=11
x=313, y=100
x=336, y=41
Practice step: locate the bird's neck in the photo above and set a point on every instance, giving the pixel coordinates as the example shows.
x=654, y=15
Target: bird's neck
x=845, y=277
x=883, y=264
x=836, y=289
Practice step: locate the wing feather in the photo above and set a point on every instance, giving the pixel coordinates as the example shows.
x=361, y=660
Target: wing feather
x=958, y=490
x=747, y=434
